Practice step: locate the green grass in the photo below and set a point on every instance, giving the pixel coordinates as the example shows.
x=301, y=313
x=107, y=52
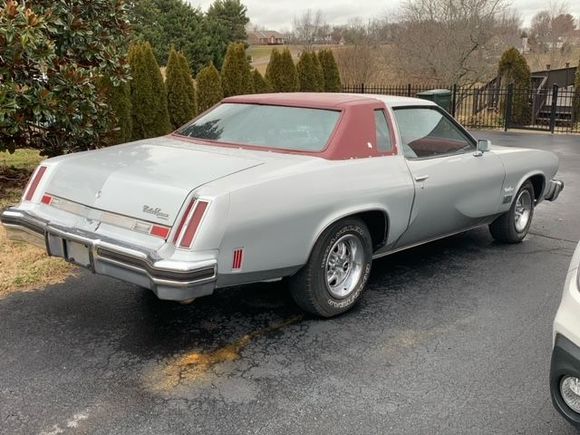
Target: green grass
x=22, y=266
x=21, y=159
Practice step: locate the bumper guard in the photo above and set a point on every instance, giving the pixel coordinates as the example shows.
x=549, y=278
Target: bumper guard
x=553, y=190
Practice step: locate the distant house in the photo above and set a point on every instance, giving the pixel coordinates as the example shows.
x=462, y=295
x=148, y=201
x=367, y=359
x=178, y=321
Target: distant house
x=266, y=37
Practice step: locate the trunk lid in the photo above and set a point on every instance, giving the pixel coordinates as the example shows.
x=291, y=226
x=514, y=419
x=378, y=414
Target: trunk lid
x=147, y=180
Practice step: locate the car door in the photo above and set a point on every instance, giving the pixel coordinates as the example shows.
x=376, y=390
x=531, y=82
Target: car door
x=456, y=188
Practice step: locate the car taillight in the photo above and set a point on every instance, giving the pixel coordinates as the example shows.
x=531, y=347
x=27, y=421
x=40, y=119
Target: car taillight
x=34, y=182
x=46, y=199
x=159, y=231
x=190, y=223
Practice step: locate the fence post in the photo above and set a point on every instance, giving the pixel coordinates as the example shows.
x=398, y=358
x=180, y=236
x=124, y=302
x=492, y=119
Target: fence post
x=508, y=106
x=362, y=88
x=475, y=104
x=453, y=99
x=409, y=90
x=554, y=107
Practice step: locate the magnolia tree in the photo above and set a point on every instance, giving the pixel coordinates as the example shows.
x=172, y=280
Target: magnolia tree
x=51, y=54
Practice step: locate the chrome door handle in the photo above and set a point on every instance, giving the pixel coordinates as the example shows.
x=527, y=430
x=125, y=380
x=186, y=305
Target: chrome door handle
x=421, y=178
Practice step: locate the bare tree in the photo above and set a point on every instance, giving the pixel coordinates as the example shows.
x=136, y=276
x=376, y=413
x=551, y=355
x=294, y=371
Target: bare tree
x=356, y=60
x=307, y=28
x=552, y=28
x=451, y=41
x=355, y=63
x=551, y=36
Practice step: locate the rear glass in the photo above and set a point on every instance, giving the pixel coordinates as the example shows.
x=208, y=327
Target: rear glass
x=290, y=128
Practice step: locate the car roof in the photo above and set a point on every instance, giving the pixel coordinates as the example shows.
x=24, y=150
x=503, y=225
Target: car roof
x=325, y=99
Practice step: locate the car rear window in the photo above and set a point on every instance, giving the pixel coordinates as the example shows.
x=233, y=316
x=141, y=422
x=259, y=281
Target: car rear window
x=290, y=128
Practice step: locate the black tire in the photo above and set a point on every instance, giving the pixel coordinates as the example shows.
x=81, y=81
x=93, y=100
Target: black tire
x=309, y=287
x=504, y=229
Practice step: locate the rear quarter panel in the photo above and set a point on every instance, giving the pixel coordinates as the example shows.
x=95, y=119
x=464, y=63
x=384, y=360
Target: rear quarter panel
x=277, y=216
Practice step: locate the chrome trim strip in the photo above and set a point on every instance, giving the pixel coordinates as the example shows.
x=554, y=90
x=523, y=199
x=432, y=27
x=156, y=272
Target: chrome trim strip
x=414, y=245
x=103, y=216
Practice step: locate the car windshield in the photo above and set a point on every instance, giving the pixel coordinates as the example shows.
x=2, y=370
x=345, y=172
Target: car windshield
x=289, y=128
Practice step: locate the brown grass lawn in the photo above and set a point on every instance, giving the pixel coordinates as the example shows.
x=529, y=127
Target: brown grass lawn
x=261, y=54
x=22, y=266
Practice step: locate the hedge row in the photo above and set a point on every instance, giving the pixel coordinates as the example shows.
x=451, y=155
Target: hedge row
x=150, y=106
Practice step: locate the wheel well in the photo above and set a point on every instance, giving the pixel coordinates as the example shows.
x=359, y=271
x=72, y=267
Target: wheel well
x=538, y=182
x=377, y=223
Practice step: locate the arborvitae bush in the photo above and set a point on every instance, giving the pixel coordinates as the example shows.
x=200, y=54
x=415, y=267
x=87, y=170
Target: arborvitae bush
x=180, y=90
x=119, y=99
x=209, y=88
x=330, y=71
x=148, y=94
x=310, y=75
x=281, y=72
x=236, y=71
x=514, y=70
x=261, y=85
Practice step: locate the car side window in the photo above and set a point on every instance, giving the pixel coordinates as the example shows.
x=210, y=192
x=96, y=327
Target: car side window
x=384, y=144
x=427, y=132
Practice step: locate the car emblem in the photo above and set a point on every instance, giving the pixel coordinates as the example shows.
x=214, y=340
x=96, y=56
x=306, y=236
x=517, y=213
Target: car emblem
x=98, y=195
x=155, y=211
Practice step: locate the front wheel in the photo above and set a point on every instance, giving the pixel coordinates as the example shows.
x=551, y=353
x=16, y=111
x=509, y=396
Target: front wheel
x=513, y=226
x=338, y=269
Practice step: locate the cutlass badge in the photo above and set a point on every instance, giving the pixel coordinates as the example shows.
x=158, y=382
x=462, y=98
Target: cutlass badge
x=155, y=212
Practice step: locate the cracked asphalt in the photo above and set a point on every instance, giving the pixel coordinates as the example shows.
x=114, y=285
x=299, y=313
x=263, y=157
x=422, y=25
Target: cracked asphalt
x=451, y=337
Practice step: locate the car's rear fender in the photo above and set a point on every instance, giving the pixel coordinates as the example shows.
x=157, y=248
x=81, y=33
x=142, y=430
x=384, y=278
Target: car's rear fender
x=279, y=216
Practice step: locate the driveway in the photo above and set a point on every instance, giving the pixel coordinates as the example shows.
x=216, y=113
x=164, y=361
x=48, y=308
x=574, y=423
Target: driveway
x=451, y=337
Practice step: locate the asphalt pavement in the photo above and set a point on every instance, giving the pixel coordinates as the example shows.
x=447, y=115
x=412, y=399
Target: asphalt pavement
x=452, y=337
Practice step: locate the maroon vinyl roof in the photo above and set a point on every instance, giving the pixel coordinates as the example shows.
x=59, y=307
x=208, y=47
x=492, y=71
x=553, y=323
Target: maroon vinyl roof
x=303, y=99
x=353, y=138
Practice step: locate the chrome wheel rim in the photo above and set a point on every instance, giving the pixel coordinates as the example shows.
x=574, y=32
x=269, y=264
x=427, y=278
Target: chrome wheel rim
x=523, y=210
x=344, y=266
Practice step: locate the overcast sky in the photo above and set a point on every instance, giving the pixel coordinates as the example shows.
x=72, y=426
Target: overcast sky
x=278, y=14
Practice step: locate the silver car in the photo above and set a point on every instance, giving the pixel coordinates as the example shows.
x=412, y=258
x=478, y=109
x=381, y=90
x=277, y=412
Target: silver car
x=311, y=187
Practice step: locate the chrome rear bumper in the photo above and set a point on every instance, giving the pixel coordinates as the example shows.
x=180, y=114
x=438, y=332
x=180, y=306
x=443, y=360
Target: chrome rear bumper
x=553, y=190
x=169, y=279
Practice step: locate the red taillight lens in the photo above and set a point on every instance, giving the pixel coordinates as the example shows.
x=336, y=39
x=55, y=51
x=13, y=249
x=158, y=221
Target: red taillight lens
x=159, y=231
x=183, y=221
x=190, y=223
x=46, y=199
x=34, y=182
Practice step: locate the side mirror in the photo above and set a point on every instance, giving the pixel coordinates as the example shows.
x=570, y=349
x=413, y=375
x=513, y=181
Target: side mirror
x=483, y=145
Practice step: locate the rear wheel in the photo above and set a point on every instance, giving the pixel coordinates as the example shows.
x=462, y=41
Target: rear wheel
x=338, y=269
x=513, y=226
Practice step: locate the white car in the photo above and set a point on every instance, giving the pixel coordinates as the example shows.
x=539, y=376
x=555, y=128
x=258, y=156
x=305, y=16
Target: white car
x=565, y=367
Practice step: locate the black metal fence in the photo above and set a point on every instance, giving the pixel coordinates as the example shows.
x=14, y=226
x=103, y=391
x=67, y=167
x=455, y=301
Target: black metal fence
x=555, y=109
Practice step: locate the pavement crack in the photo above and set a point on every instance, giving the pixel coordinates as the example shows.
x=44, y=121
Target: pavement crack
x=554, y=238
